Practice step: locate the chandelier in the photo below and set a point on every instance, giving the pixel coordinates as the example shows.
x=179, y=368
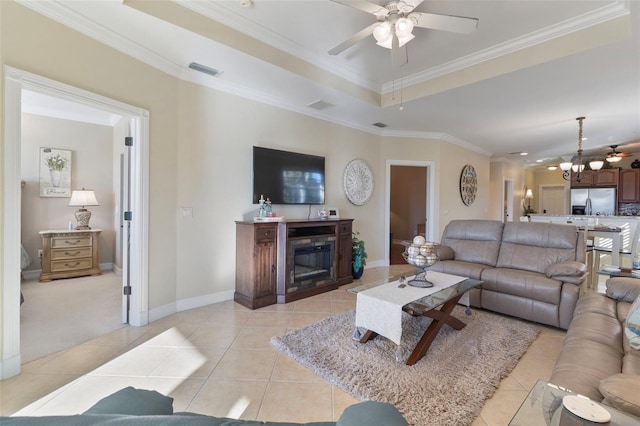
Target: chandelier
x=578, y=166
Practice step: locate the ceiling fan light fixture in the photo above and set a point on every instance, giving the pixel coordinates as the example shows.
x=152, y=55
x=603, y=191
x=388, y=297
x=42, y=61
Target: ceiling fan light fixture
x=614, y=159
x=404, y=27
x=404, y=40
x=382, y=33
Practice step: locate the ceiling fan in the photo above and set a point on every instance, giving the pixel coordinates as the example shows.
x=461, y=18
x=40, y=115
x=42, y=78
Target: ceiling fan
x=614, y=156
x=395, y=23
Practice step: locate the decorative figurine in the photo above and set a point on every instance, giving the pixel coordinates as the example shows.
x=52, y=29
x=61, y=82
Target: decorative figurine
x=261, y=208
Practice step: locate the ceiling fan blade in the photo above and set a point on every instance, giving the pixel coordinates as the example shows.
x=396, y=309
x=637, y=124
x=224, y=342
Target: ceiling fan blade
x=353, y=40
x=365, y=6
x=455, y=24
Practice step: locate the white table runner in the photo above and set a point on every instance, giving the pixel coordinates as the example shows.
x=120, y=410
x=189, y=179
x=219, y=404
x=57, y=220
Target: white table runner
x=379, y=309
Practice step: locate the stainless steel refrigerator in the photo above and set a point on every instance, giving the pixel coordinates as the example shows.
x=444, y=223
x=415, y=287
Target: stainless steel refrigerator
x=591, y=201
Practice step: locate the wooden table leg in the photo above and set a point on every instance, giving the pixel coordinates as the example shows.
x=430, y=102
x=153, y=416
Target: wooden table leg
x=440, y=318
x=368, y=336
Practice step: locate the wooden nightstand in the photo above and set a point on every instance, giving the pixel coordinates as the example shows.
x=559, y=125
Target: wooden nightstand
x=69, y=254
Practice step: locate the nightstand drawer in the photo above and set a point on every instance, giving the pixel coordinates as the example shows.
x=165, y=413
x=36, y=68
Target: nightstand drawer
x=70, y=265
x=64, y=242
x=70, y=253
x=265, y=233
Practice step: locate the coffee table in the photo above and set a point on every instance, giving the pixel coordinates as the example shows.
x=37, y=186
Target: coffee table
x=543, y=406
x=445, y=299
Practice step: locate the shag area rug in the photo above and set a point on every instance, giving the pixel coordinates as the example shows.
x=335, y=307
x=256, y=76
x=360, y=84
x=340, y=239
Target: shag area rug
x=449, y=385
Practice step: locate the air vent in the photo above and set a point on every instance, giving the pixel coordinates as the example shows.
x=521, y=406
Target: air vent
x=204, y=69
x=320, y=105
x=379, y=124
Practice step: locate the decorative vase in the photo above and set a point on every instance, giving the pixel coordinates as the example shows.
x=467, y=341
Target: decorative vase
x=357, y=274
x=55, y=178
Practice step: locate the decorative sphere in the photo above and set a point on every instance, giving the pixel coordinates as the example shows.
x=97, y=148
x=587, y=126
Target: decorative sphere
x=418, y=240
x=426, y=249
x=420, y=260
x=430, y=259
x=413, y=250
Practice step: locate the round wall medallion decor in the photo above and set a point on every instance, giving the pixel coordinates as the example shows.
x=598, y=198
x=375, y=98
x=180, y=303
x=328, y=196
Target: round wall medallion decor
x=358, y=182
x=468, y=184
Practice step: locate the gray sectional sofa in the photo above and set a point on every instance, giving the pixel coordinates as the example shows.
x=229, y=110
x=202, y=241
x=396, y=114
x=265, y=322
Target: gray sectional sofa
x=530, y=270
x=140, y=407
x=596, y=359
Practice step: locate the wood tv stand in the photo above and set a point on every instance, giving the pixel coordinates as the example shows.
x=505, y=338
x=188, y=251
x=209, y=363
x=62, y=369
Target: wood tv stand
x=279, y=262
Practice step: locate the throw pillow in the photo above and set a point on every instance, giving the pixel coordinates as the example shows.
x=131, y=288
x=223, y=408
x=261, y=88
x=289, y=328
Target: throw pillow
x=632, y=325
x=622, y=391
x=133, y=402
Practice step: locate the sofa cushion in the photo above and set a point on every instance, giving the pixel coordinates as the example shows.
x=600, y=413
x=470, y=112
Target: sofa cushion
x=535, y=246
x=632, y=325
x=476, y=241
x=622, y=391
x=463, y=269
x=520, y=283
x=134, y=402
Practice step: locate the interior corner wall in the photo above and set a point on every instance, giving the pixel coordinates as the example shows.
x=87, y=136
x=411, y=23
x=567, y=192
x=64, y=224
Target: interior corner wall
x=34, y=43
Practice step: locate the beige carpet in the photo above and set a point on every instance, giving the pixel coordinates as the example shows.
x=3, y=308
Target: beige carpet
x=59, y=314
x=448, y=386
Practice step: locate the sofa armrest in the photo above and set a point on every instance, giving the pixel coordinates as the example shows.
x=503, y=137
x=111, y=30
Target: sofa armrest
x=445, y=253
x=371, y=413
x=623, y=289
x=569, y=272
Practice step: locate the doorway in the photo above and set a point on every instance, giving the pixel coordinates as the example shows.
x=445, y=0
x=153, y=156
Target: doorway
x=16, y=81
x=507, y=201
x=409, y=205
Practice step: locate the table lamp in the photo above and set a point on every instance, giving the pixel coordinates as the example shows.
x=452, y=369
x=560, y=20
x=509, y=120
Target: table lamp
x=82, y=198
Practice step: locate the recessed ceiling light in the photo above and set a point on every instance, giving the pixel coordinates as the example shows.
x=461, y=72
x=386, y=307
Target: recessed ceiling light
x=552, y=168
x=524, y=153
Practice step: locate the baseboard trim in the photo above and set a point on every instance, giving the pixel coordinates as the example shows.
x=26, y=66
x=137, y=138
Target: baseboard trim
x=186, y=304
x=10, y=367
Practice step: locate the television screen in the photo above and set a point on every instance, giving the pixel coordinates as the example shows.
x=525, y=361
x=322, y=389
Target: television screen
x=287, y=177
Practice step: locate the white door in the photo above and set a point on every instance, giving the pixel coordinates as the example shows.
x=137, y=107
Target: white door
x=552, y=200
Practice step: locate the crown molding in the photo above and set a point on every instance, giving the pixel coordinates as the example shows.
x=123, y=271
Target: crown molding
x=220, y=14
x=581, y=22
x=62, y=14
x=445, y=137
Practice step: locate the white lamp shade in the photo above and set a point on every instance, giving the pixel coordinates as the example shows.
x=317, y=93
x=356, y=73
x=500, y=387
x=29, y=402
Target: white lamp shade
x=382, y=32
x=529, y=193
x=404, y=27
x=596, y=164
x=404, y=40
x=84, y=197
x=614, y=159
x=565, y=166
x=575, y=167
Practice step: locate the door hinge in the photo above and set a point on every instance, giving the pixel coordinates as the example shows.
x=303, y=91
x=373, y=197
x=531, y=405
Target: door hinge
x=128, y=141
x=128, y=215
x=127, y=290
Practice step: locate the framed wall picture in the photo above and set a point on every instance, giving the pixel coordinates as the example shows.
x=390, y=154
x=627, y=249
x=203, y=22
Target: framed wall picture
x=55, y=172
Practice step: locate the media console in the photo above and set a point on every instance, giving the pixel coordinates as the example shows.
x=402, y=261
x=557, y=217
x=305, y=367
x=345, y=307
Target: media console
x=279, y=262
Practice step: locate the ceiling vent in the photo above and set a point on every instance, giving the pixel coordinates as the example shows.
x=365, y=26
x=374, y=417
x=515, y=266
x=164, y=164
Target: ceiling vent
x=204, y=69
x=320, y=105
x=379, y=124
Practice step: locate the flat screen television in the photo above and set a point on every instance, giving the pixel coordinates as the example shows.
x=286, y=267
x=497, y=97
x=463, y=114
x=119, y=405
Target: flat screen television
x=287, y=177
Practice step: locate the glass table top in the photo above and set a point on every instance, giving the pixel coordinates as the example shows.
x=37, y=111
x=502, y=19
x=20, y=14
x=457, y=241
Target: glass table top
x=543, y=406
x=426, y=303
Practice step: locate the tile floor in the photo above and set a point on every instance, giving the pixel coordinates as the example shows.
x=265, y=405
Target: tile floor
x=217, y=360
